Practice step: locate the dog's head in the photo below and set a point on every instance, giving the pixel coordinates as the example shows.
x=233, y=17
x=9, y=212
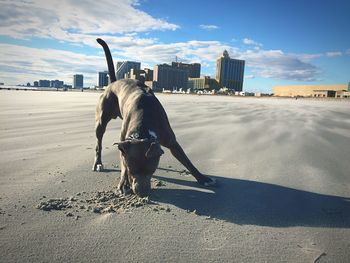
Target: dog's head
x=141, y=158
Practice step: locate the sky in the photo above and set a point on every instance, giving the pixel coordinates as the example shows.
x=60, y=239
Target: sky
x=283, y=42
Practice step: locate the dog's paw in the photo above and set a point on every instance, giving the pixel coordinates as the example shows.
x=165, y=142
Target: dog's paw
x=124, y=191
x=124, y=187
x=97, y=167
x=211, y=182
x=207, y=181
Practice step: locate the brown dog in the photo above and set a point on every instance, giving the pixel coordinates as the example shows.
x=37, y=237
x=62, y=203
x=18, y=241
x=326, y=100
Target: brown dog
x=145, y=127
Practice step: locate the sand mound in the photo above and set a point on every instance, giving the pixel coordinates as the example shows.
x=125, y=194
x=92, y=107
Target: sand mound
x=106, y=201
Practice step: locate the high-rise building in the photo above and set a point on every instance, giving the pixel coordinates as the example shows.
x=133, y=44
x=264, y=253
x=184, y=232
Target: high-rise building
x=44, y=83
x=78, y=81
x=124, y=67
x=194, y=69
x=56, y=84
x=103, y=79
x=169, y=77
x=230, y=72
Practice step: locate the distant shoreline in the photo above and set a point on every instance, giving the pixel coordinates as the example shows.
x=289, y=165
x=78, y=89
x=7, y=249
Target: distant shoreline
x=24, y=88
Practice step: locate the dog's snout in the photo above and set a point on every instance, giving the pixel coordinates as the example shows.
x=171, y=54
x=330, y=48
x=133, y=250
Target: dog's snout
x=141, y=187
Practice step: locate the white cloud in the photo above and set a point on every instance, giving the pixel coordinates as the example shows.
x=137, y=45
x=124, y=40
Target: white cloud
x=208, y=27
x=249, y=76
x=248, y=41
x=308, y=57
x=278, y=65
x=19, y=65
x=347, y=51
x=67, y=19
x=333, y=54
x=114, y=42
x=190, y=51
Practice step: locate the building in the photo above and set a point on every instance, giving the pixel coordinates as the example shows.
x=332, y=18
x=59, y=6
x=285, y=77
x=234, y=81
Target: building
x=36, y=84
x=344, y=94
x=168, y=77
x=124, y=67
x=103, y=79
x=44, y=83
x=56, y=84
x=310, y=90
x=143, y=75
x=78, y=81
x=230, y=72
x=193, y=70
x=148, y=74
x=203, y=83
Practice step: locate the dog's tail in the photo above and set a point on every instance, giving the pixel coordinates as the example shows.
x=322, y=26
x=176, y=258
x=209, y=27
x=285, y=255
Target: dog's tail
x=108, y=58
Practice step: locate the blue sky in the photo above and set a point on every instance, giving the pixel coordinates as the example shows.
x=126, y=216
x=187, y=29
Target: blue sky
x=282, y=42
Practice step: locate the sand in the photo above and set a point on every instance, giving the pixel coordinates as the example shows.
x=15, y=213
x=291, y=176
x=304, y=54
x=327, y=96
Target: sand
x=282, y=167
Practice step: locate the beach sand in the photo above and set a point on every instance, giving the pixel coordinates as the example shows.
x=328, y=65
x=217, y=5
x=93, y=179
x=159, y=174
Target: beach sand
x=282, y=167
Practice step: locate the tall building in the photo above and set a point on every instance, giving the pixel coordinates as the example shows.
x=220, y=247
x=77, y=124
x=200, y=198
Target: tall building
x=78, y=81
x=44, y=83
x=103, y=79
x=169, y=77
x=230, y=72
x=56, y=84
x=124, y=67
x=194, y=69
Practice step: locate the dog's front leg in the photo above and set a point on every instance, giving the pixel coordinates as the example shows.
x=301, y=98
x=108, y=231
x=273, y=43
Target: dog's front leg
x=124, y=185
x=100, y=130
x=180, y=155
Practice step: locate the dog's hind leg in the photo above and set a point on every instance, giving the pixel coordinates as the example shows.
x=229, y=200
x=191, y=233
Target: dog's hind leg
x=180, y=155
x=107, y=108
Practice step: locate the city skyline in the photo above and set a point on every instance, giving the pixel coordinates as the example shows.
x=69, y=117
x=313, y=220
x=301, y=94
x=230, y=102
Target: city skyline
x=283, y=43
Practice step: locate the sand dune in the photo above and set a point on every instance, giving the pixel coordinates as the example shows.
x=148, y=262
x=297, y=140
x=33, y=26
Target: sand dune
x=282, y=167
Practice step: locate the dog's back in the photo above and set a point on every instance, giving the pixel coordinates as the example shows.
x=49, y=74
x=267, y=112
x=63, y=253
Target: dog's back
x=140, y=107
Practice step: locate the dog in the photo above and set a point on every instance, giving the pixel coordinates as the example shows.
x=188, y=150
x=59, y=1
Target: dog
x=145, y=127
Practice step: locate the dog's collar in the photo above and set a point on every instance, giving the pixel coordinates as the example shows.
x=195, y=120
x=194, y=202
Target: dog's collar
x=151, y=135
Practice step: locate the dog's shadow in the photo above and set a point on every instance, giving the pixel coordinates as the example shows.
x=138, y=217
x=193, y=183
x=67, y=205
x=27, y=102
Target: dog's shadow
x=111, y=170
x=253, y=203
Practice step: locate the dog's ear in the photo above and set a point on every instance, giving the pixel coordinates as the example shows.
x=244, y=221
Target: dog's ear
x=154, y=150
x=123, y=146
